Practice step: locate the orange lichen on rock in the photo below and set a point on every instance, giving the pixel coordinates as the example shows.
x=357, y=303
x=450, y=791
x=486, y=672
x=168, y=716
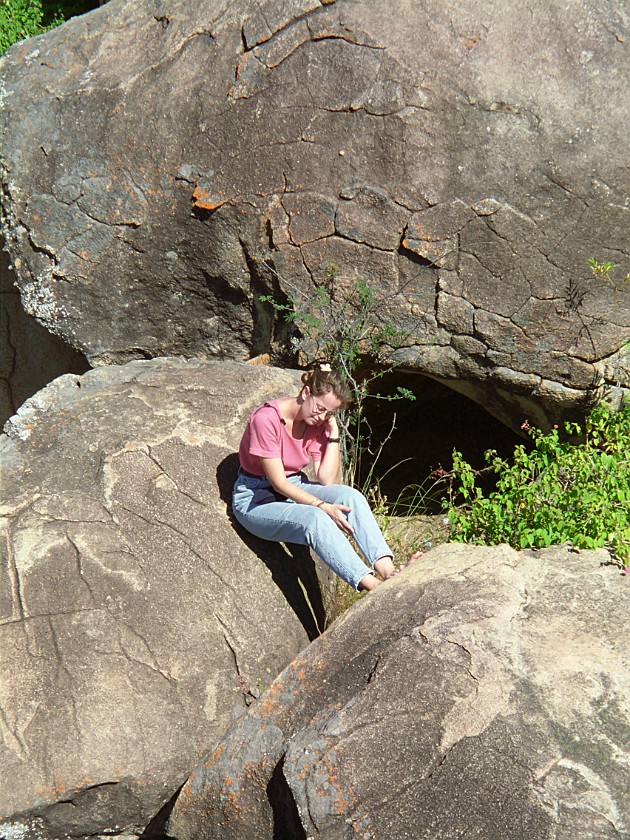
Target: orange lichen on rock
x=263, y=359
x=266, y=705
x=205, y=201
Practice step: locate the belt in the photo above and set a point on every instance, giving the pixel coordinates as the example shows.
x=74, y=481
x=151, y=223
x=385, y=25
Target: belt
x=253, y=475
x=250, y=475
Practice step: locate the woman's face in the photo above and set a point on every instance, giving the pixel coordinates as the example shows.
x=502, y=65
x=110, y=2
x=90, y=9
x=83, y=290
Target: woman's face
x=317, y=410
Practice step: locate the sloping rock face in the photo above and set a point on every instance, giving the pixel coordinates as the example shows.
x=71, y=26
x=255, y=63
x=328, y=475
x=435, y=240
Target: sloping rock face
x=137, y=620
x=464, y=158
x=480, y=694
x=30, y=356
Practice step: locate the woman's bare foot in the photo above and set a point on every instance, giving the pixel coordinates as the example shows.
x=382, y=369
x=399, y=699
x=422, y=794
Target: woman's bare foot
x=368, y=582
x=415, y=556
x=385, y=567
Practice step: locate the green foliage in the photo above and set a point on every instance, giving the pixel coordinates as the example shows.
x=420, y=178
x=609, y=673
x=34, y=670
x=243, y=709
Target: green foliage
x=417, y=499
x=19, y=19
x=24, y=18
x=602, y=270
x=559, y=492
x=343, y=326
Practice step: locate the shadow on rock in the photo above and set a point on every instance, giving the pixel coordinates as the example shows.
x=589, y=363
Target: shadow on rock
x=292, y=567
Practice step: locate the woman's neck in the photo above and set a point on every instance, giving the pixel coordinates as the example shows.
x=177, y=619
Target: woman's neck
x=290, y=411
x=289, y=408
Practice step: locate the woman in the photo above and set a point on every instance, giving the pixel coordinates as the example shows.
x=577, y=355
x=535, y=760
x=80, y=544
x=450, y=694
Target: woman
x=274, y=499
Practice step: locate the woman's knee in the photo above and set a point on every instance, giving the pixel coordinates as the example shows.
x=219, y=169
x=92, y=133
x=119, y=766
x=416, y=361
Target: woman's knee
x=356, y=500
x=321, y=529
x=346, y=495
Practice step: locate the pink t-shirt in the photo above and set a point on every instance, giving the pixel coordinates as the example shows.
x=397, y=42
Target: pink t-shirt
x=266, y=436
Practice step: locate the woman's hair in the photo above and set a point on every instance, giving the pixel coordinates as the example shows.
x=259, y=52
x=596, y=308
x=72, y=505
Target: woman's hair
x=322, y=382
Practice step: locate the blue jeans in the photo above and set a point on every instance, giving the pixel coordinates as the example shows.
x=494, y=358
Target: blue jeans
x=266, y=514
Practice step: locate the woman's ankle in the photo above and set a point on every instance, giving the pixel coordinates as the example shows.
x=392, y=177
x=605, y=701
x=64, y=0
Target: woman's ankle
x=385, y=567
x=368, y=582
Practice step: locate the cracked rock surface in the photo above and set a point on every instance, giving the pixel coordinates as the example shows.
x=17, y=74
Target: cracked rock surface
x=30, y=356
x=466, y=158
x=136, y=621
x=481, y=693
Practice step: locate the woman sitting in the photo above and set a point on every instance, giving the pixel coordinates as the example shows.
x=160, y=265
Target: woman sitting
x=274, y=499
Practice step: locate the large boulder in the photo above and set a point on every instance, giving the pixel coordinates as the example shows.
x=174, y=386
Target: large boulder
x=482, y=693
x=465, y=158
x=138, y=621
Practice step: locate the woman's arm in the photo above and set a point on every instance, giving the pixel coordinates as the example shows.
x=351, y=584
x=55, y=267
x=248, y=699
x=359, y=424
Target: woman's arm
x=327, y=470
x=274, y=470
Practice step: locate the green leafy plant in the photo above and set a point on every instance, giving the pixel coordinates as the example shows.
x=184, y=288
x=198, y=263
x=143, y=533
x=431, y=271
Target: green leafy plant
x=343, y=326
x=19, y=19
x=24, y=18
x=559, y=492
x=603, y=271
x=416, y=499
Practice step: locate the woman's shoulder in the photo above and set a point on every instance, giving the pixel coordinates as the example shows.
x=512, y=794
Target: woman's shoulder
x=267, y=412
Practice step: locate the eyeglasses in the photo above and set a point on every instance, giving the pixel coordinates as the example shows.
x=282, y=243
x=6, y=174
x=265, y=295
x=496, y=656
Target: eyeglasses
x=321, y=409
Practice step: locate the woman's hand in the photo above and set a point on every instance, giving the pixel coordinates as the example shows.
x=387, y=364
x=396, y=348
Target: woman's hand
x=332, y=426
x=337, y=514
x=327, y=470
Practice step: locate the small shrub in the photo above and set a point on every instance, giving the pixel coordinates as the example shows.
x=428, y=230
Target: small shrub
x=344, y=328
x=21, y=19
x=559, y=492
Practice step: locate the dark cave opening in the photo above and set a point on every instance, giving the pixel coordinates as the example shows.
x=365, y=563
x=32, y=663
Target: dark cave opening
x=419, y=437
x=30, y=356
x=287, y=824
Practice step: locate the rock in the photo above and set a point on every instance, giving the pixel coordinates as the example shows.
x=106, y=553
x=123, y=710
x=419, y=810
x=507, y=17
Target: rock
x=481, y=693
x=30, y=356
x=137, y=619
x=182, y=159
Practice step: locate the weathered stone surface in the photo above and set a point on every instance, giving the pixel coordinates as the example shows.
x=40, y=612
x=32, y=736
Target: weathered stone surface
x=30, y=356
x=466, y=158
x=136, y=620
x=482, y=693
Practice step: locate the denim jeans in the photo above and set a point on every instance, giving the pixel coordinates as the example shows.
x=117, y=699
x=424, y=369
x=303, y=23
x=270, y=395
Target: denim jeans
x=266, y=514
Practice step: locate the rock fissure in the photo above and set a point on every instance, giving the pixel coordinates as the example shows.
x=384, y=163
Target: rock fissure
x=134, y=660
x=38, y=248
x=284, y=25
x=487, y=266
x=36, y=616
x=510, y=108
x=18, y=608
x=333, y=36
x=572, y=193
x=128, y=84
x=9, y=367
x=80, y=569
x=165, y=472
x=593, y=782
x=372, y=673
x=11, y=735
x=153, y=521
x=226, y=633
x=362, y=241
x=469, y=655
x=63, y=675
